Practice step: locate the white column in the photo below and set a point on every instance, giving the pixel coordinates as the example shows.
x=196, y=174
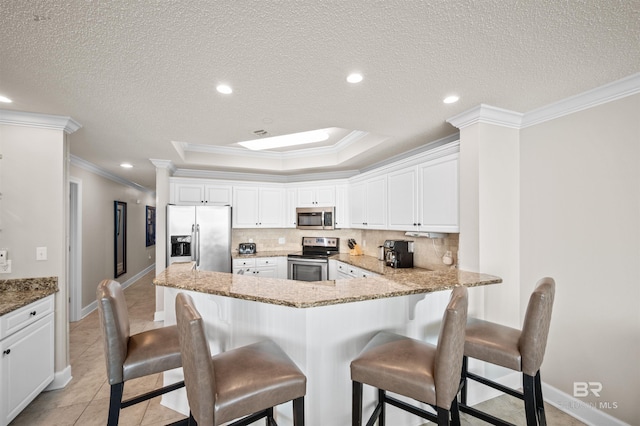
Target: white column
x=163, y=170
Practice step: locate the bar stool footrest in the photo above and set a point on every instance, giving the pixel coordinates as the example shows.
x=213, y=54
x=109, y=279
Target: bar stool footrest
x=495, y=385
x=483, y=416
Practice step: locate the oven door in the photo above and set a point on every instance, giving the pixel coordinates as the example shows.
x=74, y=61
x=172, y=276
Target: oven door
x=302, y=269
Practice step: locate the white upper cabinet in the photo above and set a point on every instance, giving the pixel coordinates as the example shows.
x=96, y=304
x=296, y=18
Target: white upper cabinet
x=258, y=207
x=194, y=193
x=425, y=197
x=438, y=196
x=317, y=196
x=342, y=207
x=291, y=202
x=403, y=199
x=368, y=203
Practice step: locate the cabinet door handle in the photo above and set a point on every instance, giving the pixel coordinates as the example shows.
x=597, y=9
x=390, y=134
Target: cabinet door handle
x=7, y=352
x=33, y=314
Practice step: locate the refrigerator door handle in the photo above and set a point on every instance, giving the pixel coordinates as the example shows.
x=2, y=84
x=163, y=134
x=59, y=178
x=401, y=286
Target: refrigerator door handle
x=193, y=242
x=197, y=245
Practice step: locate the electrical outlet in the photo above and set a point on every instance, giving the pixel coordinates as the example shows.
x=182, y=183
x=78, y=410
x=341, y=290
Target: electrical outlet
x=281, y=240
x=6, y=268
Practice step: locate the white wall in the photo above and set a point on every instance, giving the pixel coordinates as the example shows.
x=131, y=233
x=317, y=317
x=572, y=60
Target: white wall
x=98, y=196
x=580, y=223
x=33, y=213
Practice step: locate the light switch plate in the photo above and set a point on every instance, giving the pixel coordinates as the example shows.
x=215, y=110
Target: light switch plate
x=41, y=253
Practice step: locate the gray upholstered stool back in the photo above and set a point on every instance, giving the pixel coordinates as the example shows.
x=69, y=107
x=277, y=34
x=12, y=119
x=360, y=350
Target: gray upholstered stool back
x=196, y=360
x=535, y=329
x=448, y=361
x=114, y=321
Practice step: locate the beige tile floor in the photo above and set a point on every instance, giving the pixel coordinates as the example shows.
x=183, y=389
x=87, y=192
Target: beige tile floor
x=85, y=400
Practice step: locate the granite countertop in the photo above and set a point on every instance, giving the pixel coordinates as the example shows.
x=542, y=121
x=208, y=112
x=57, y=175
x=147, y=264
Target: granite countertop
x=302, y=294
x=19, y=292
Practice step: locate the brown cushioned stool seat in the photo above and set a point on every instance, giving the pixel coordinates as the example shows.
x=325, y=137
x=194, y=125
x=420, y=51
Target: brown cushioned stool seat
x=415, y=369
x=247, y=381
x=132, y=356
x=519, y=350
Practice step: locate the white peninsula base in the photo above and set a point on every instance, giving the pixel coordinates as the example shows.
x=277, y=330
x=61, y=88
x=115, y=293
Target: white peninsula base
x=321, y=340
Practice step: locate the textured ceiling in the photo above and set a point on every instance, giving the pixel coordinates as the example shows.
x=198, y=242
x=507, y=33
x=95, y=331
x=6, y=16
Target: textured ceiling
x=139, y=75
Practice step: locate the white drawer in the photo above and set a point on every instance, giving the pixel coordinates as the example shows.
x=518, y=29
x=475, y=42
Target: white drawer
x=20, y=318
x=266, y=261
x=246, y=263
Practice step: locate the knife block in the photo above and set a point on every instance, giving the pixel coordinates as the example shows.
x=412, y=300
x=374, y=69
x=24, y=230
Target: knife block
x=356, y=251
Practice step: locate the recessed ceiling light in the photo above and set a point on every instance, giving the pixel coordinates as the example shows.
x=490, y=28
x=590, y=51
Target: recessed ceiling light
x=451, y=99
x=292, y=139
x=126, y=165
x=354, y=78
x=224, y=89
x=5, y=99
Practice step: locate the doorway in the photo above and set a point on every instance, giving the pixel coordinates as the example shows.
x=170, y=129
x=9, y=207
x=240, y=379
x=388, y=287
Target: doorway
x=75, y=249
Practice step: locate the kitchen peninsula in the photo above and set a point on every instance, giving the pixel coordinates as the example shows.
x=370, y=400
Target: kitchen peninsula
x=321, y=325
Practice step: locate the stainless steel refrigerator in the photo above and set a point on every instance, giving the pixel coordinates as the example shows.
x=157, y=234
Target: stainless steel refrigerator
x=201, y=234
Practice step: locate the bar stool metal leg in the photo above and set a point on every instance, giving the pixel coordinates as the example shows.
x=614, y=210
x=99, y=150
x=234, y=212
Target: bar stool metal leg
x=383, y=411
x=529, y=399
x=298, y=412
x=114, y=404
x=356, y=404
x=542, y=418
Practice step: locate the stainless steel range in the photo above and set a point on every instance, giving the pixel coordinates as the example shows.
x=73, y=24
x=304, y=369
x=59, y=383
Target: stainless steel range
x=312, y=263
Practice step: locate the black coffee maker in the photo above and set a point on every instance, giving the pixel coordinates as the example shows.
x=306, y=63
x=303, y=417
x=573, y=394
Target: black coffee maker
x=398, y=253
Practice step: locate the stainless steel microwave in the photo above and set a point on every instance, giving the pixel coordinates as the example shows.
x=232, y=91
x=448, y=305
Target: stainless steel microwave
x=315, y=217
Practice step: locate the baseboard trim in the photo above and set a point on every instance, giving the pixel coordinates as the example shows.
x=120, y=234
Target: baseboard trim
x=60, y=379
x=158, y=316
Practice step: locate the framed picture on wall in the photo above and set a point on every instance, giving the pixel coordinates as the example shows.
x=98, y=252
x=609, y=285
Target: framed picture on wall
x=151, y=225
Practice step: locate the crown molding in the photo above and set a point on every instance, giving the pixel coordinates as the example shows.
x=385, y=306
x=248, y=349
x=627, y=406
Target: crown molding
x=484, y=113
x=447, y=142
x=600, y=95
x=163, y=164
x=262, y=177
x=41, y=121
x=86, y=165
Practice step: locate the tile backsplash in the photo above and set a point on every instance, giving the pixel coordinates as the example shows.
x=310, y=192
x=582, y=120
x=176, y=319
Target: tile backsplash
x=428, y=252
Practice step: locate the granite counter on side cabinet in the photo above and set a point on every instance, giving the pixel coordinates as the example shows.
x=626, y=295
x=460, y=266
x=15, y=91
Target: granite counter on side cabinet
x=302, y=294
x=19, y=292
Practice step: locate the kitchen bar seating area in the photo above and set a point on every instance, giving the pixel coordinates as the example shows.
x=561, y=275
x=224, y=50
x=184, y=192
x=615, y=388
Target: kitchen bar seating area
x=85, y=401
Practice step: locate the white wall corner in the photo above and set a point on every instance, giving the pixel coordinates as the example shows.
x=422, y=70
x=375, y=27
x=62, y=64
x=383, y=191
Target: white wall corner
x=487, y=114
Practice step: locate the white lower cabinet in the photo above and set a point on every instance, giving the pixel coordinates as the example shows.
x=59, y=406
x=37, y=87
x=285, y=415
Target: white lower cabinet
x=27, y=347
x=268, y=267
x=346, y=271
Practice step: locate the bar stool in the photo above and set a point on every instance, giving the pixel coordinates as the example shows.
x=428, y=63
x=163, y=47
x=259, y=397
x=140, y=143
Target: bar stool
x=244, y=382
x=414, y=369
x=519, y=350
x=132, y=356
